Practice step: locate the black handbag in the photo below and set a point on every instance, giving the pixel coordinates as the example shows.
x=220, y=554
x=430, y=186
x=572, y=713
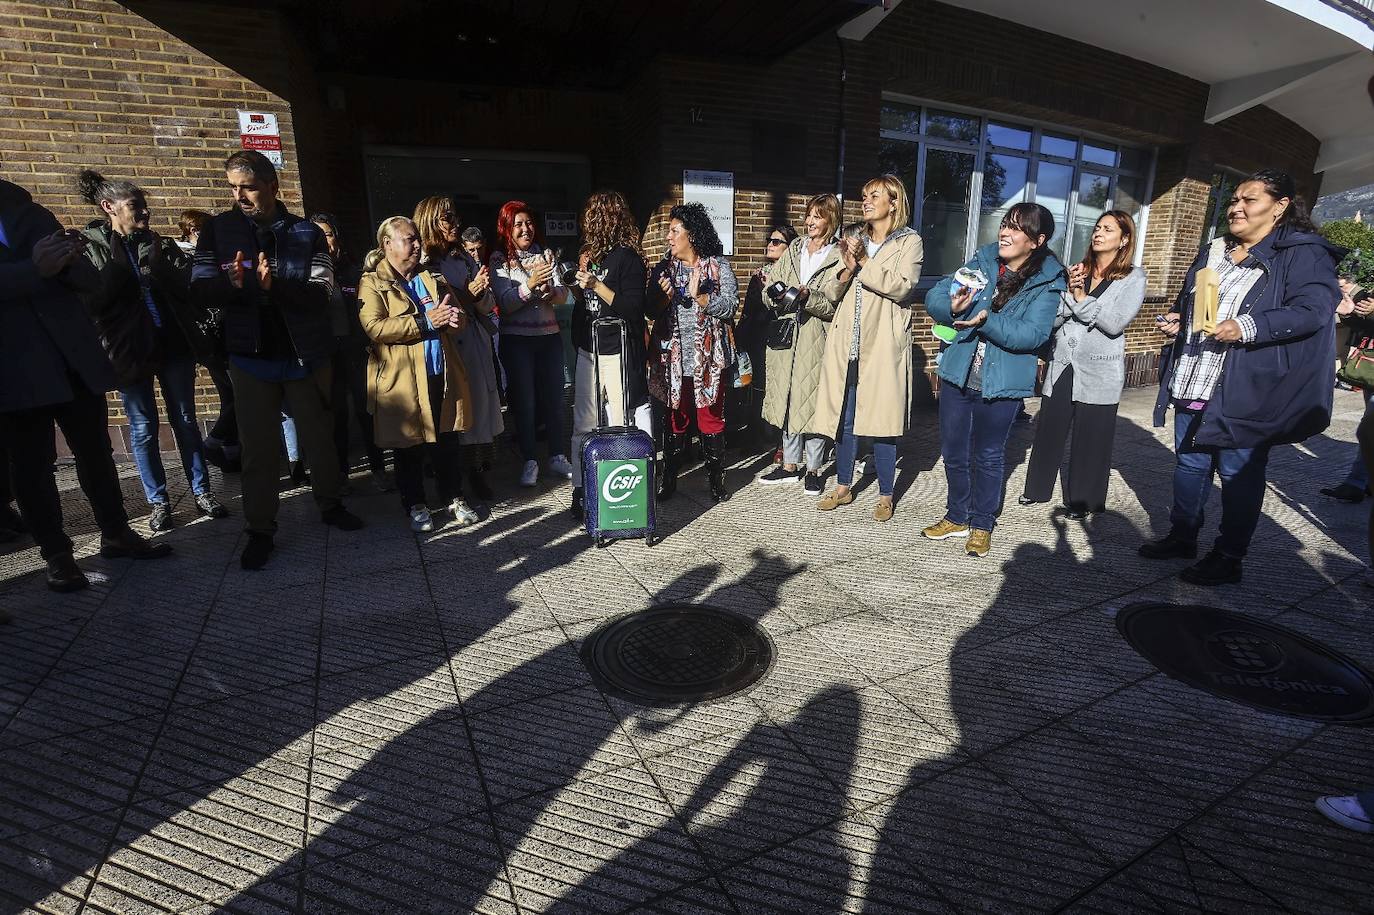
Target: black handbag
x=781, y=332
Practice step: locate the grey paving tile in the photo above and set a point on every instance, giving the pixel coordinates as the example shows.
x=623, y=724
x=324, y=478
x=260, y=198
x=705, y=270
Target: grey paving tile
x=377, y=635
x=981, y=846
x=49, y=870
x=28, y=653
x=223, y=667
x=515, y=669
x=690, y=900
x=606, y=843
x=802, y=669
x=383, y=701
x=478, y=613
x=655, y=731
x=881, y=647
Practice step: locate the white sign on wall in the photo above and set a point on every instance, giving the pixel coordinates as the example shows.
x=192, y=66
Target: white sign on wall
x=258, y=130
x=716, y=192
x=560, y=224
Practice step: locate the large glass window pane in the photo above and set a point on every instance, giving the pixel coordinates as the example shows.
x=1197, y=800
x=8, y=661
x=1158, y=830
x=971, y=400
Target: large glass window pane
x=1004, y=184
x=903, y=118
x=1053, y=144
x=1052, y=185
x=1223, y=187
x=1136, y=160
x=1009, y=135
x=1130, y=195
x=898, y=157
x=945, y=210
x=954, y=126
x=1099, y=153
x=1092, y=203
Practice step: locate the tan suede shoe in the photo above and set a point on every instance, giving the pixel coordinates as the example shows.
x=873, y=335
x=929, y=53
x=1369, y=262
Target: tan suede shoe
x=830, y=501
x=945, y=529
x=979, y=542
x=883, y=510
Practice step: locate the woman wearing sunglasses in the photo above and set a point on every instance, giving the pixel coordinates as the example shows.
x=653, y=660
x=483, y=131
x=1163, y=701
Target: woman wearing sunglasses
x=751, y=329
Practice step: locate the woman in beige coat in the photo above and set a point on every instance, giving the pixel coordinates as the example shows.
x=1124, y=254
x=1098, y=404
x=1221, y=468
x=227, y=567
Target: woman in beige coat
x=417, y=388
x=865, y=387
x=811, y=264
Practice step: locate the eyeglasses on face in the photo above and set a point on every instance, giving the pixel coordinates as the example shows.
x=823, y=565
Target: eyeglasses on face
x=776, y=241
x=448, y=219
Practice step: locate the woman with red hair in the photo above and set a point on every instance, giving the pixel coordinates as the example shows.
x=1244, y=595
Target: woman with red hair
x=522, y=277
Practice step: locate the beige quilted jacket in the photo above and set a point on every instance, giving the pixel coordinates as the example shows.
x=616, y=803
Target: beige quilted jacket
x=793, y=374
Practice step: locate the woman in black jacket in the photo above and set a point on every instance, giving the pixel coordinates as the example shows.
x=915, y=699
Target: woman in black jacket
x=610, y=283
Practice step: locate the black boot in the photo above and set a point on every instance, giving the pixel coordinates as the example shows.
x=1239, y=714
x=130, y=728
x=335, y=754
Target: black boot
x=579, y=508
x=667, y=476
x=714, y=446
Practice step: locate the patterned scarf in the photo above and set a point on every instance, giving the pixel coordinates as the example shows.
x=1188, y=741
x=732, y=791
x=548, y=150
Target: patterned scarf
x=714, y=342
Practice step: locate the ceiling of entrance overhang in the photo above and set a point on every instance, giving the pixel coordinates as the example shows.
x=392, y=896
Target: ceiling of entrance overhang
x=585, y=43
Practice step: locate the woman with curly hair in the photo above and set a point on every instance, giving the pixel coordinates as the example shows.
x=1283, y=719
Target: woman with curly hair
x=694, y=348
x=437, y=220
x=527, y=288
x=610, y=283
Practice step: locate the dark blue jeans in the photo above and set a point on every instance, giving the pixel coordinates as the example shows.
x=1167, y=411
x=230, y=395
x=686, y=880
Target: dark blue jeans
x=178, y=382
x=973, y=443
x=847, y=448
x=1242, y=487
x=534, y=389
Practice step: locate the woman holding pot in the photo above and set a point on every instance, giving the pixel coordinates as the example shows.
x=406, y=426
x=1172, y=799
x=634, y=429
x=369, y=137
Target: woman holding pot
x=865, y=381
x=697, y=295
x=796, y=341
x=417, y=389
x=1087, y=370
x=991, y=365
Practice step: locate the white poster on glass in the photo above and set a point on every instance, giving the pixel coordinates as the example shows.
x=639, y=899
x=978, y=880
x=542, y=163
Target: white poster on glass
x=716, y=192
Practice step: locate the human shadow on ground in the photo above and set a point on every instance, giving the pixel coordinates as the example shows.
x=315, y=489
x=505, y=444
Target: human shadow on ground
x=511, y=747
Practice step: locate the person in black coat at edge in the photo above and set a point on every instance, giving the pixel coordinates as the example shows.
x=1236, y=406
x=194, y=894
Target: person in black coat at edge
x=611, y=281
x=1263, y=377
x=350, y=355
x=270, y=274
x=751, y=325
x=53, y=369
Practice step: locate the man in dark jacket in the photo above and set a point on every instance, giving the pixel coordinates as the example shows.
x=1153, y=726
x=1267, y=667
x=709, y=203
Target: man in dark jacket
x=270, y=275
x=1262, y=377
x=53, y=369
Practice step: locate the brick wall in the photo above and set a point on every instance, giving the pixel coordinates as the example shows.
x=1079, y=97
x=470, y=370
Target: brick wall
x=95, y=85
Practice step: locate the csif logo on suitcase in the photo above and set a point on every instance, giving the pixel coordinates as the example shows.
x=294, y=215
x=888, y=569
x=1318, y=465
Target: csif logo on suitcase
x=622, y=494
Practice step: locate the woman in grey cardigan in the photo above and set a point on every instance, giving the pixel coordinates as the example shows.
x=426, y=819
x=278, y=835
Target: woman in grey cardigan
x=1087, y=370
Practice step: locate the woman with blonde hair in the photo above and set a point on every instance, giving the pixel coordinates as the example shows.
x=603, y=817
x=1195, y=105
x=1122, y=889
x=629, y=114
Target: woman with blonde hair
x=417, y=388
x=1087, y=370
x=610, y=284
x=796, y=339
x=443, y=250
x=865, y=384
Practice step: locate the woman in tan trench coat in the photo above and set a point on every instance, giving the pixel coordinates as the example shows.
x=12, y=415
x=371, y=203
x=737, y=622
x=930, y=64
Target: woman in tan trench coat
x=810, y=264
x=865, y=387
x=417, y=388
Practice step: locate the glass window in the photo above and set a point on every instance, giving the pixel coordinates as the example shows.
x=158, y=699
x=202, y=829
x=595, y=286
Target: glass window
x=1130, y=195
x=1004, y=185
x=898, y=157
x=1135, y=160
x=944, y=210
x=901, y=118
x=1099, y=154
x=1224, y=184
x=1009, y=135
x=1052, y=144
x=953, y=126
x=1092, y=203
x=1052, y=186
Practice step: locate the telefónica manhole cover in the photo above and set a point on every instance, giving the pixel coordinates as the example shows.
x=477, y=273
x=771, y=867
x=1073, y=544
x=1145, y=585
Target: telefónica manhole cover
x=1250, y=661
x=677, y=653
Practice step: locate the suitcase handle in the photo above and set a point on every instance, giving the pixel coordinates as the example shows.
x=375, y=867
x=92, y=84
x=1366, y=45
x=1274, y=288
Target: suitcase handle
x=618, y=323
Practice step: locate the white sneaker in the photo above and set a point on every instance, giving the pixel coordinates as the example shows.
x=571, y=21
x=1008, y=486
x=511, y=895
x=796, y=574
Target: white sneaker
x=420, y=521
x=530, y=475
x=462, y=514
x=560, y=465
x=1347, y=812
x=860, y=466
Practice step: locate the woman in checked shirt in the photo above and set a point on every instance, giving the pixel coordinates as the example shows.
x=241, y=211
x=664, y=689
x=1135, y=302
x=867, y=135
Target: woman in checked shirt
x=1263, y=377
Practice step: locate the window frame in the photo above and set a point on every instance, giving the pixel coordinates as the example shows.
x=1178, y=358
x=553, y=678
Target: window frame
x=983, y=148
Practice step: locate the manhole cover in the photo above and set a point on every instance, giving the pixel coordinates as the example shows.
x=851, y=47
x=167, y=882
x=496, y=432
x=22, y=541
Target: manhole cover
x=1250, y=661
x=677, y=653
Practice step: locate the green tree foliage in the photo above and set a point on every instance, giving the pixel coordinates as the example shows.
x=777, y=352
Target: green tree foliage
x=1359, y=239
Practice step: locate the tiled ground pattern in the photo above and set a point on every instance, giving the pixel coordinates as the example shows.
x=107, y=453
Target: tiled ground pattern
x=384, y=722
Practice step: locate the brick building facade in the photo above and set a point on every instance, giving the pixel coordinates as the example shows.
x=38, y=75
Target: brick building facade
x=148, y=90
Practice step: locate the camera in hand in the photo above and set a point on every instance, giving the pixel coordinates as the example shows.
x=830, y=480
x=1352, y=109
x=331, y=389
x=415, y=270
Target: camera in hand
x=785, y=297
x=566, y=272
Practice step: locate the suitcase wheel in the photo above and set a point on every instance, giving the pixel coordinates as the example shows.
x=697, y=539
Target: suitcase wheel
x=602, y=542
x=650, y=540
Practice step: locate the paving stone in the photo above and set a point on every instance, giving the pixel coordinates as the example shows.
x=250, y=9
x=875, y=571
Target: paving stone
x=518, y=668
x=383, y=701
x=49, y=870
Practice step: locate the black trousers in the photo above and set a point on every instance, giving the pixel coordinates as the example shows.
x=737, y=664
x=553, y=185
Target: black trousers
x=1090, y=454
x=446, y=455
x=6, y=490
x=33, y=452
x=226, y=427
x=350, y=382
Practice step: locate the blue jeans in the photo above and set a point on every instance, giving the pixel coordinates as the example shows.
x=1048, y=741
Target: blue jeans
x=290, y=438
x=847, y=449
x=1358, y=476
x=534, y=390
x=178, y=383
x=973, y=443
x=1242, y=487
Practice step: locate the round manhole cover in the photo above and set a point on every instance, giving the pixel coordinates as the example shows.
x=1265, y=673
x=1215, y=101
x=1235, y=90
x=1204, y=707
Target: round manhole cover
x=677, y=653
x=1250, y=661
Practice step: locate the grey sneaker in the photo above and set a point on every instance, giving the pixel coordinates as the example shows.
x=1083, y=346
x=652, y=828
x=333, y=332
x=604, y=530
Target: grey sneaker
x=161, y=517
x=420, y=521
x=463, y=515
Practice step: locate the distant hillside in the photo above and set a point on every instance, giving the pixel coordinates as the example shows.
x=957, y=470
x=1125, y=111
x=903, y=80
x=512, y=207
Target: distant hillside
x=1345, y=204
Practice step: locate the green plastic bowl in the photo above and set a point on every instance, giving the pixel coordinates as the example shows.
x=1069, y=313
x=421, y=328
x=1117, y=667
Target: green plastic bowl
x=944, y=333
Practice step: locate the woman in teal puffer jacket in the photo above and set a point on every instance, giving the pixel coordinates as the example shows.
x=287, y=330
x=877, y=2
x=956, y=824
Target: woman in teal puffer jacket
x=990, y=366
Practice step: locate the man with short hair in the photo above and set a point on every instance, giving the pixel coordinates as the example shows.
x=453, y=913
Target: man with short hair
x=53, y=369
x=269, y=273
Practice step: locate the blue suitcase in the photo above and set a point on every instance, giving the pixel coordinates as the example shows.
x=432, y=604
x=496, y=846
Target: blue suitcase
x=617, y=464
